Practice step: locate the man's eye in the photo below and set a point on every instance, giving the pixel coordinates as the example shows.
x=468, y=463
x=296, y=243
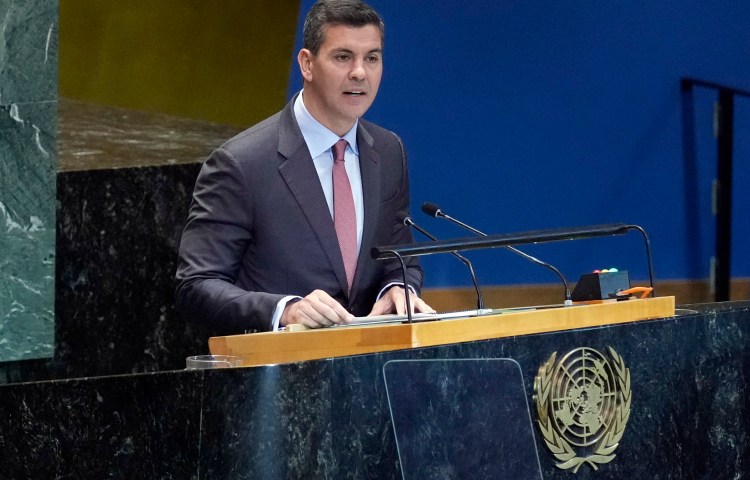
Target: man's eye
x=342, y=58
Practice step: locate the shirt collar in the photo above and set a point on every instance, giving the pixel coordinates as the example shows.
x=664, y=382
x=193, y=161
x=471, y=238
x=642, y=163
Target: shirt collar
x=317, y=137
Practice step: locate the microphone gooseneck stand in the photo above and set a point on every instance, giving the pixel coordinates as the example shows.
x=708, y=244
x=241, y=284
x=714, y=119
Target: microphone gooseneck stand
x=433, y=210
x=406, y=220
x=406, y=285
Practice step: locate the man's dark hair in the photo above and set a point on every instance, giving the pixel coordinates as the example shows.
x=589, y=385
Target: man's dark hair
x=325, y=13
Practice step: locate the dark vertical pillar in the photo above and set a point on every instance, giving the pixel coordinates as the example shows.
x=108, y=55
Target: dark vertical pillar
x=724, y=195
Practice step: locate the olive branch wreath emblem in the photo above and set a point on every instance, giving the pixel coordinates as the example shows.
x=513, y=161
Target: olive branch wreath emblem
x=603, y=451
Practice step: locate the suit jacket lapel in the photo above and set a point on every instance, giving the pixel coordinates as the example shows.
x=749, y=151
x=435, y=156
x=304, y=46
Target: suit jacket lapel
x=369, y=165
x=298, y=171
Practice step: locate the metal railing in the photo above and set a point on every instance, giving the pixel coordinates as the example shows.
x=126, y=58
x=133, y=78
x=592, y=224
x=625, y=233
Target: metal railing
x=724, y=132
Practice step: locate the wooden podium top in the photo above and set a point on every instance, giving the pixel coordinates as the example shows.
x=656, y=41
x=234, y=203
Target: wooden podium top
x=294, y=346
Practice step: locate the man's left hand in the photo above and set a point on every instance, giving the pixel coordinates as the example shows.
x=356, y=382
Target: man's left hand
x=394, y=301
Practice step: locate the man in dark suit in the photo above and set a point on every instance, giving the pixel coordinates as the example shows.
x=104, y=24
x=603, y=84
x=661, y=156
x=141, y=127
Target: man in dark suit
x=284, y=214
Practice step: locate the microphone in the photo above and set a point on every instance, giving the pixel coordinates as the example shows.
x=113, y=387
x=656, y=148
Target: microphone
x=433, y=210
x=404, y=218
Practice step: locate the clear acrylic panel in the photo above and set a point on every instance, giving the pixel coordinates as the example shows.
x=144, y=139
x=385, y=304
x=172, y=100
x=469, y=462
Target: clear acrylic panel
x=461, y=418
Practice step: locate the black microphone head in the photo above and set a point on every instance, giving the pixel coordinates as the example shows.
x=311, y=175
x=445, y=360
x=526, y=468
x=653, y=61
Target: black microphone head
x=403, y=217
x=431, y=209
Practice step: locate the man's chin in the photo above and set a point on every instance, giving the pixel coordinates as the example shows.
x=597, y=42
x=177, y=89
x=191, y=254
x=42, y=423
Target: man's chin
x=355, y=112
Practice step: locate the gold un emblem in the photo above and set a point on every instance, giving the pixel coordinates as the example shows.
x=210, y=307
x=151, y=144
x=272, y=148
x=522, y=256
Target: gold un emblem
x=583, y=406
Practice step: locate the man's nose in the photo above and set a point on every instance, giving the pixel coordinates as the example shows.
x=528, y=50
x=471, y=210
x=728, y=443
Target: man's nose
x=358, y=71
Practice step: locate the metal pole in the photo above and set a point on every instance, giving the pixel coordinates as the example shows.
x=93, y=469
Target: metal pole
x=723, y=199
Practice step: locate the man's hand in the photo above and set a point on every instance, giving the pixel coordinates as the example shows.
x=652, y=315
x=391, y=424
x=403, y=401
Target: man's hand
x=318, y=309
x=394, y=301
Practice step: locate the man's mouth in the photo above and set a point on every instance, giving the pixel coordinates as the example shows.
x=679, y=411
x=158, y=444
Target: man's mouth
x=354, y=93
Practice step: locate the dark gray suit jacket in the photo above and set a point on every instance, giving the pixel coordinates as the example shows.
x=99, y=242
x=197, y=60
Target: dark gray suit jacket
x=259, y=227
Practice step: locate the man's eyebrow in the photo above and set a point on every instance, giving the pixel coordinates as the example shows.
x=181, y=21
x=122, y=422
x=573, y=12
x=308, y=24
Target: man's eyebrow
x=347, y=50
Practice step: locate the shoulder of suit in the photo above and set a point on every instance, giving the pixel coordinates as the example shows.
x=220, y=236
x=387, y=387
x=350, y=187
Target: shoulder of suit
x=258, y=132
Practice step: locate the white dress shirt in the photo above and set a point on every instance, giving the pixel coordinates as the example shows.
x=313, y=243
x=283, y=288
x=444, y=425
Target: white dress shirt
x=319, y=140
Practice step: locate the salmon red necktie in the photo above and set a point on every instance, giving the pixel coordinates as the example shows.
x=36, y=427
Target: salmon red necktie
x=344, y=215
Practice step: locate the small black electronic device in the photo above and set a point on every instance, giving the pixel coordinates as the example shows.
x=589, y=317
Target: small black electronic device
x=601, y=286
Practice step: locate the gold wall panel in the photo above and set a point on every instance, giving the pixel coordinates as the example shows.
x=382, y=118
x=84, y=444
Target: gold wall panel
x=225, y=61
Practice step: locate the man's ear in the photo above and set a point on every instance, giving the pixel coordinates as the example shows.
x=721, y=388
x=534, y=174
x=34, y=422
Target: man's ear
x=305, y=60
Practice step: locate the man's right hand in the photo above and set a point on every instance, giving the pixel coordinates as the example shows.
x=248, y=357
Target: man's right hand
x=316, y=310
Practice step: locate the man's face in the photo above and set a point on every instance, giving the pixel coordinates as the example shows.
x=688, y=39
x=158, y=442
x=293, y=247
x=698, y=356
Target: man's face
x=341, y=81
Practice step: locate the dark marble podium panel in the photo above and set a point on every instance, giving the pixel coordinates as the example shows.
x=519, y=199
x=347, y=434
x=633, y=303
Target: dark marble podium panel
x=118, y=235
x=329, y=418
x=144, y=426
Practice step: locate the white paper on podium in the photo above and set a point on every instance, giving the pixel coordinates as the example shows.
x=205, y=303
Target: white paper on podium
x=418, y=317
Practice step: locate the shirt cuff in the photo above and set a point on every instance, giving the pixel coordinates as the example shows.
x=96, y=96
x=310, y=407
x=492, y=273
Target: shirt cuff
x=280, y=310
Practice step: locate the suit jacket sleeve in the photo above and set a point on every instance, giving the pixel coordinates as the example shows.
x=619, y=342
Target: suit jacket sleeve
x=213, y=244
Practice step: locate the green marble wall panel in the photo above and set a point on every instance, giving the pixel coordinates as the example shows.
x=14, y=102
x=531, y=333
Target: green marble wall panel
x=28, y=110
x=28, y=51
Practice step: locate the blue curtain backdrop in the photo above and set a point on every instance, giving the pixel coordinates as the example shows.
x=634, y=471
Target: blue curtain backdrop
x=531, y=115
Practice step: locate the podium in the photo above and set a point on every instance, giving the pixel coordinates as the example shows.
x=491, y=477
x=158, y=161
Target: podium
x=295, y=346
x=342, y=418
